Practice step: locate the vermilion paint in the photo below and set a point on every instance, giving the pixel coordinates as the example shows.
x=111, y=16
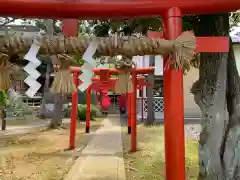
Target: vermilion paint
x=173, y=105
x=129, y=99
x=70, y=28
x=134, y=113
x=90, y=9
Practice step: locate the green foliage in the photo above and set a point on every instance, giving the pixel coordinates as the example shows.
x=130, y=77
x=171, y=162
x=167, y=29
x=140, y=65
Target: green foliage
x=82, y=111
x=78, y=59
x=41, y=24
x=126, y=26
x=82, y=108
x=16, y=107
x=82, y=97
x=3, y=98
x=235, y=18
x=142, y=25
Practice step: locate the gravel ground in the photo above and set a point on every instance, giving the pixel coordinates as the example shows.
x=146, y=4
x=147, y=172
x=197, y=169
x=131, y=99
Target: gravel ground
x=192, y=131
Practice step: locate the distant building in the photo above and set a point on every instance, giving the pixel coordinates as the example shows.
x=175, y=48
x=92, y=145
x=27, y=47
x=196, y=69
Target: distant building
x=19, y=30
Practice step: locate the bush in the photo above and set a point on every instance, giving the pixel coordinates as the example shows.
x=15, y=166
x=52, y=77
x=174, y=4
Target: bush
x=82, y=109
x=67, y=111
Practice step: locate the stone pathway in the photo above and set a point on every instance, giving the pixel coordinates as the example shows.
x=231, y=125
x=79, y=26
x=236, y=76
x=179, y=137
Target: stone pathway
x=102, y=159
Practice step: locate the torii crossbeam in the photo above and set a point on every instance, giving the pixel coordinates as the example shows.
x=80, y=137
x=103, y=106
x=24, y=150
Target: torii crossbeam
x=86, y=9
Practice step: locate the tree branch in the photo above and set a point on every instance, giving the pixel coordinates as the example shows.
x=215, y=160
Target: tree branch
x=7, y=21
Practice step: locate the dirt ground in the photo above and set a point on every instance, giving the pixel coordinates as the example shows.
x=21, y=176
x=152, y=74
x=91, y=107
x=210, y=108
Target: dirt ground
x=148, y=162
x=43, y=155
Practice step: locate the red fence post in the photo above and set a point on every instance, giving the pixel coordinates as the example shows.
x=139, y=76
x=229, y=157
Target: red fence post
x=174, y=105
x=88, y=110
x=133, y=112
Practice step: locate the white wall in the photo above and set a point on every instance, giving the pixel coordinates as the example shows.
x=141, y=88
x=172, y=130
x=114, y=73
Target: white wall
x=141, y=61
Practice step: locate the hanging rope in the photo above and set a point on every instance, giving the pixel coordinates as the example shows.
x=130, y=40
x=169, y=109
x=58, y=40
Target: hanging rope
x=181, y=49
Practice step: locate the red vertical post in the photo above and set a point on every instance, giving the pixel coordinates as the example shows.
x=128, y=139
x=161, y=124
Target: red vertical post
x=74, y=114
x=129, y=98
x=142, y=104
x=70, y=28
x=96, y=96
x=174, y=105
x=133, y=113
x=88, y=110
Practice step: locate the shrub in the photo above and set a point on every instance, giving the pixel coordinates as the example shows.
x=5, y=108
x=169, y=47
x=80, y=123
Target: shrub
x=67, y=111
x=82, y=109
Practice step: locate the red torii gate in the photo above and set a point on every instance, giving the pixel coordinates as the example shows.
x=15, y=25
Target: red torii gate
x=106, y=82
x=172, y=12
x=97, y=85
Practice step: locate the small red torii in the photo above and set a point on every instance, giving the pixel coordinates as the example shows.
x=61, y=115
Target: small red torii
x=97, y=85
x=107, y=83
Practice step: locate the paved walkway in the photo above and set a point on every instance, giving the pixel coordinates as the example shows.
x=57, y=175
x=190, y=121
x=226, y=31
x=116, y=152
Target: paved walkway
x=102, y=159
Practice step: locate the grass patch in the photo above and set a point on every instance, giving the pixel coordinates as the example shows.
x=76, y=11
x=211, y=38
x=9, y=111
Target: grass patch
x=148, y=162
x=42, y=155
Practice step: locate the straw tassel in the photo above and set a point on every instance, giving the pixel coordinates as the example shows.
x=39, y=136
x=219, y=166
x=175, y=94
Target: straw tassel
x=5, y=72
x=124, y=81
x=63, y=81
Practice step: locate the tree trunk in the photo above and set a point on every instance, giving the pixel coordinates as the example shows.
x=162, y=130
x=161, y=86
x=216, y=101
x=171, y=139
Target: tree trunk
x=150, y=78
x=231, y=146
x=57, y=111
x=43, y=111
x=215, y=92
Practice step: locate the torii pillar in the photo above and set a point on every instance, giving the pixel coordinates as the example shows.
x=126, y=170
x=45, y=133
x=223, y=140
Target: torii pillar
x=174, y=97
x=70, y=29
x=173, y=104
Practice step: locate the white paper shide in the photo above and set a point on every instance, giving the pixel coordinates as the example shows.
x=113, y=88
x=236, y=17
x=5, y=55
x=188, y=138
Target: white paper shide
x=30, y=68
x=88, y=66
